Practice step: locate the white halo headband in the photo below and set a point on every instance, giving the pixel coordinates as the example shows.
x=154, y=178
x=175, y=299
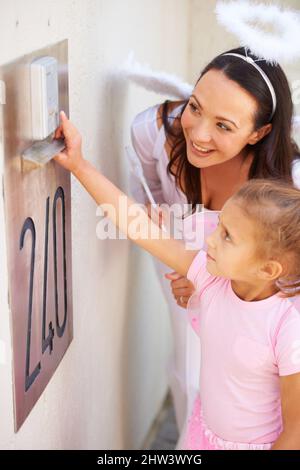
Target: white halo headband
x=263, y=74
x=283, y=46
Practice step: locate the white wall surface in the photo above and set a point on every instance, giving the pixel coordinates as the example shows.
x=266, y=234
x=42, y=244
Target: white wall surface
x=111, y=383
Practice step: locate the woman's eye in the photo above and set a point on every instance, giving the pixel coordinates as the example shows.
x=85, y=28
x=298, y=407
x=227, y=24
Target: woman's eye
x=194, y=109
x=227, y=236
x=225, y=128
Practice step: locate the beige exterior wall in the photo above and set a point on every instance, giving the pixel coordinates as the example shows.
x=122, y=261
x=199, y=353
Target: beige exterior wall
x=111, y=383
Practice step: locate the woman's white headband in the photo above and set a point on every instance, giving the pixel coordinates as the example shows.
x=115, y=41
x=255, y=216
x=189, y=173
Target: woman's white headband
x=263, y=74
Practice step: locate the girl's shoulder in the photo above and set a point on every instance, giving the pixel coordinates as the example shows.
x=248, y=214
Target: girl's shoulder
x=286, y=341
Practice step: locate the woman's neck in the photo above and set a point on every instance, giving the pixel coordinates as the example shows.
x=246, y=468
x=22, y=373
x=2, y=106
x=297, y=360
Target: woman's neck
x=233, y=169
x=220, y=182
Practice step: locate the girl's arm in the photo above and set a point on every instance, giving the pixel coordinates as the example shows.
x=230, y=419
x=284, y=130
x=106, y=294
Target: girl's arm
x=169, y=251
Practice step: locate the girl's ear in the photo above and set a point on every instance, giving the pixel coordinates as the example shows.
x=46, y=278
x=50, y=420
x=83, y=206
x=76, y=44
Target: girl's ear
x=256, y=136
x=271, y=270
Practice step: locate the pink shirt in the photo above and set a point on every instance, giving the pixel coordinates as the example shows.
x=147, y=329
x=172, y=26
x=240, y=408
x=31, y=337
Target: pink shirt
x=245, y=347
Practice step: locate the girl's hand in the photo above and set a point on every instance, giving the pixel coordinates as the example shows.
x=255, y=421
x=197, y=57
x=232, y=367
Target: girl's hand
x=71, y=157
x=182, y=288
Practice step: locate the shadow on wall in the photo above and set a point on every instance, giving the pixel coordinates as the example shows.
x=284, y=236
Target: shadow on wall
x=111, y=143
x=136, y=415
x=113, y=102
x=131, y=389
x=135, y=384
x=115, y=94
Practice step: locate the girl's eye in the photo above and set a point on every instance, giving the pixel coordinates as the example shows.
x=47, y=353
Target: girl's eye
x=193, y=107
x=226, y=234
x=225, y=128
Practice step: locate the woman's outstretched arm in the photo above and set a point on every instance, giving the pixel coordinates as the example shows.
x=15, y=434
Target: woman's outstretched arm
x=125, y=213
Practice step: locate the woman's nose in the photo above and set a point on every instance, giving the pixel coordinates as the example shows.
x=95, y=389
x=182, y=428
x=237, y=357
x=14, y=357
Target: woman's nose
x=201, y=133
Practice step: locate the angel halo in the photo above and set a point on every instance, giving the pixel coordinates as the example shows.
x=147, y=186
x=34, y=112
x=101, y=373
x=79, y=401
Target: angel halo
x=235, y=16
x=283, y=47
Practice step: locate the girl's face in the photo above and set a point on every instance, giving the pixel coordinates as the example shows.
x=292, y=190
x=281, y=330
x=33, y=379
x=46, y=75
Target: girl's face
x=232, y=247
x=219, y=117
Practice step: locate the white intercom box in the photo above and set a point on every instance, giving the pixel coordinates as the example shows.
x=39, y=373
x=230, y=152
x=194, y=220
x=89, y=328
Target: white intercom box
x=44, y=97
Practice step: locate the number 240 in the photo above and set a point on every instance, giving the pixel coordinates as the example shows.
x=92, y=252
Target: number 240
x=46, y=341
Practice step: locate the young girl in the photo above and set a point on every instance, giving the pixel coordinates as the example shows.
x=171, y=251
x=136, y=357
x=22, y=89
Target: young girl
x=249, y=329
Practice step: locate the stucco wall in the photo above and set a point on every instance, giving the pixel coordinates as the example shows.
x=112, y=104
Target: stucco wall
x=111, y=382
x=110, y=385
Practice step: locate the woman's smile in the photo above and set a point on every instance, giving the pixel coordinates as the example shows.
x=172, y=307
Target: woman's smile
x=199, y=150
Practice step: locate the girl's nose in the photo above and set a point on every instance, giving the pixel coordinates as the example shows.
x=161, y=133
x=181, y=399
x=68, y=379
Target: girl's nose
x=210, y=241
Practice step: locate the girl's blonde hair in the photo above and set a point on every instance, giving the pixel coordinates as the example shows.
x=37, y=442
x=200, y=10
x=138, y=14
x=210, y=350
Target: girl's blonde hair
x=275, y=206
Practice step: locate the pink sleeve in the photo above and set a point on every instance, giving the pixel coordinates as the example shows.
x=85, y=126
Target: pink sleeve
x=287, y=345
x=144, y=133
x=201, y=279
x=197, y=272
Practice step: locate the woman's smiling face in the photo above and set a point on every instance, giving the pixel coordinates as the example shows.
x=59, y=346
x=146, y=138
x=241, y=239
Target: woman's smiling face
x=219, y=117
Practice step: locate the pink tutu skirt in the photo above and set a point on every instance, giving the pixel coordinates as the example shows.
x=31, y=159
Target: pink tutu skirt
x=198, y=436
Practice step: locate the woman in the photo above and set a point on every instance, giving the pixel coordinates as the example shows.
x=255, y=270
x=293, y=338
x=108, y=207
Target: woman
x=235, y=126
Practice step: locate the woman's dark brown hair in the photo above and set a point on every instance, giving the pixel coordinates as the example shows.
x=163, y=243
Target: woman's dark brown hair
x=273, y=155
